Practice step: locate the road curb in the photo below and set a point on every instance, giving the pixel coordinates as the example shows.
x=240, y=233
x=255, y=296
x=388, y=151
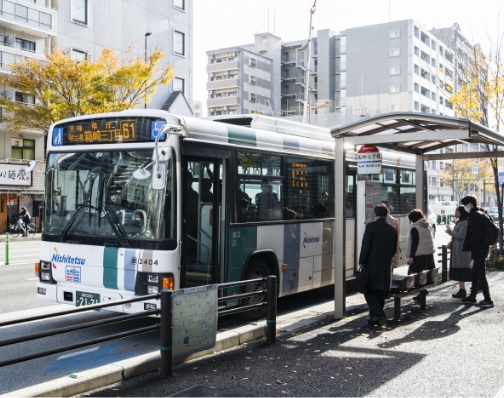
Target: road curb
x=20, y=238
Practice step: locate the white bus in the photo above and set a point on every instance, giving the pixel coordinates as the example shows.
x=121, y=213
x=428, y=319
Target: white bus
x=141, y=200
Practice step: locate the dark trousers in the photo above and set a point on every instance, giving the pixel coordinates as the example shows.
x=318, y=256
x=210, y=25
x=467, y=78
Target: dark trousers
x=478, y=274
x=376, y=301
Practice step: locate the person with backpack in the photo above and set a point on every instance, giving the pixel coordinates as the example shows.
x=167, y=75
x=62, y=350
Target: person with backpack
x=477, y=241
x=24, y=220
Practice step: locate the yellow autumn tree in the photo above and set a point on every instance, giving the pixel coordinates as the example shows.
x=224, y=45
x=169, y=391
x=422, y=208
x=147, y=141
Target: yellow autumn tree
x=63, y=87
x=481, y=96
x=462, y=179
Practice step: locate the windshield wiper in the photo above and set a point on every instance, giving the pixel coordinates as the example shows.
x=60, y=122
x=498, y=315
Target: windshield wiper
x=116, y=225
x=86, y=204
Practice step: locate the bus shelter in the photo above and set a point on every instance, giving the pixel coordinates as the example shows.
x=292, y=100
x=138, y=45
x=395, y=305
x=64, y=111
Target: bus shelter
x=409, y=132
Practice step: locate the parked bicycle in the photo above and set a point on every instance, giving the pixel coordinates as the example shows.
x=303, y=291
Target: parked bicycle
x=16, y=228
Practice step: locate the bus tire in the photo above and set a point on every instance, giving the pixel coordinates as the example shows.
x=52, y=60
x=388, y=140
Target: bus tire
x=257, y=268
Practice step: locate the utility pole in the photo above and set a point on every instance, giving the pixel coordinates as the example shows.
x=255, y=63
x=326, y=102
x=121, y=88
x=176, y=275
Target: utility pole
x=307, y=72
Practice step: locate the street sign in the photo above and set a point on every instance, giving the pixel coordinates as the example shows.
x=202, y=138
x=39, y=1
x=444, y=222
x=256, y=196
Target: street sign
x=369, y=160
x=475, y=169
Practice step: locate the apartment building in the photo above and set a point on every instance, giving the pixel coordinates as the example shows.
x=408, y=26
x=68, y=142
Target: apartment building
x=244, y=79
x=29, y=28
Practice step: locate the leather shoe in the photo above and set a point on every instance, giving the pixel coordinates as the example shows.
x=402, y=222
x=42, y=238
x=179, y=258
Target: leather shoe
x=376, y=319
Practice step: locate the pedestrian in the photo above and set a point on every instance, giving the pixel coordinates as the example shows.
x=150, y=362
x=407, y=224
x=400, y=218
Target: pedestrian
x=475, y=243
x=24, y=220
x=419, y=246
x=460, y=261
x=393, y=221
x=379, y=244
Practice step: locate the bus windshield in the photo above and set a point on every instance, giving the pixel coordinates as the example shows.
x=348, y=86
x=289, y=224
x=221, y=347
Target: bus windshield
x=94, y=194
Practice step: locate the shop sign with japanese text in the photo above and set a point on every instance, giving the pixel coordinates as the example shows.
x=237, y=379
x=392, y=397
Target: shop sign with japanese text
x=14, y=174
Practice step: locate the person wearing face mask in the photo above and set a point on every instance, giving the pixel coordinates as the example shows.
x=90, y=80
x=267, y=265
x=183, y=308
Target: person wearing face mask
x=460, y=261
x=475, y=243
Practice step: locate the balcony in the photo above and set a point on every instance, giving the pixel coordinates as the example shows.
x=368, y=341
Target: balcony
x=224, y=101
x=300, y=80
x=223, y=66
x=31, y=18
x=10, y=54
x=300, y=97
x=225, y=83
x=288, y=61
x=300, y=63
x=287, y=78
x=313, y=87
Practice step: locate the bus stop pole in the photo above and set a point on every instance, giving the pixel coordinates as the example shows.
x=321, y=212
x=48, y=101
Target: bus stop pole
x=166, y=334
x=6, y=248
x=271, y=309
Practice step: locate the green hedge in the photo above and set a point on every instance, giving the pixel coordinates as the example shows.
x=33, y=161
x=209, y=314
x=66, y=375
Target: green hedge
x=496, y=263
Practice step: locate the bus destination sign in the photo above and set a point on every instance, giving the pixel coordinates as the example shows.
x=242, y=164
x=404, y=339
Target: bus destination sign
x=106, y=131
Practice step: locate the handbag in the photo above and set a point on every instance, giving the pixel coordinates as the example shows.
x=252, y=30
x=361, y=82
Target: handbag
x=361, y=280
x=449, y=245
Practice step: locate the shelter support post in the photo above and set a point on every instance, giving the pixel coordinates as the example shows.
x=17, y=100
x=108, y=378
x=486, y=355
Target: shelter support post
x=420, y=184
x=339, y=230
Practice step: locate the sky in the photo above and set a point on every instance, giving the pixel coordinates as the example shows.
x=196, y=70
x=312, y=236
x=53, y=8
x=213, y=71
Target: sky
x=224, y=23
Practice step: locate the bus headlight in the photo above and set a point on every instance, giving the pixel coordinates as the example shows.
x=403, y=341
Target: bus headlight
x=45, y=276
x=45, y=265
x=152, y=289
x=152, y=278
x=41, y=290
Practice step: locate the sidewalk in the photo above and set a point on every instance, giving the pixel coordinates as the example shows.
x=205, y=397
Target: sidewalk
x=449, y=349
x=20, y=238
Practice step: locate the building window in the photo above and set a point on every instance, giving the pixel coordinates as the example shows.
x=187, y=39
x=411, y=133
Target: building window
x=417, y=32
x=394, y=70
x=433, y=96
x=179, y=85
x=80, y=11
x=180, y=4
x=23, y=149
x=252, y=80
x=394, y=52
x=441, y=100
x=21, y=12
x=433, y=44
x=252, y=97
x=178, y=43
x=253, y=62
x=433, y=62
x=417, y=51
x=394, y=89
x=79, y=55
x=25, y=44
x=394, y=34
x=417, y=70
x=23, y=97
x=417, y=106
x=417, y=88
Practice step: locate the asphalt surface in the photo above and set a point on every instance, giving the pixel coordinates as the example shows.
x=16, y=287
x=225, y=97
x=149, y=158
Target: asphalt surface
x=448, y=349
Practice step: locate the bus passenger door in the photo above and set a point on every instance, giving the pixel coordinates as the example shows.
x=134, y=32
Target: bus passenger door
x=201, y=207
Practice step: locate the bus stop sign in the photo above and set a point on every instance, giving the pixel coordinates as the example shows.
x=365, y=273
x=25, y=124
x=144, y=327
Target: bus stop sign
x=369, y=160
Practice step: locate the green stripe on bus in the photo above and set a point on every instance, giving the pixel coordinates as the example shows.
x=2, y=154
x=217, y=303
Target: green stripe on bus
x=165, y=348
x=270, y=320
x=241, y=136
x=110, y=270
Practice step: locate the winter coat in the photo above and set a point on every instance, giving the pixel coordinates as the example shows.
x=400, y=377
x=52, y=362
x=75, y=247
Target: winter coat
x=379, y=244
x=459, y=258
x=425, y=242
x=475, y=231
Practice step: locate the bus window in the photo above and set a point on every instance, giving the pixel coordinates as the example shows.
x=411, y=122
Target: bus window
x=259, y=164
x=350, y=196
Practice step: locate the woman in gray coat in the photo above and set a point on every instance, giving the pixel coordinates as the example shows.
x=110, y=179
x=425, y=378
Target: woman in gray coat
x=460, y=261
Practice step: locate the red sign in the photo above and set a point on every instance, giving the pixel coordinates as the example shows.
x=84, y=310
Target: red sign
x=368, y=149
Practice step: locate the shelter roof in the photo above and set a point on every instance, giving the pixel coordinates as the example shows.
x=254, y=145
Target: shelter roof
x=415, y=132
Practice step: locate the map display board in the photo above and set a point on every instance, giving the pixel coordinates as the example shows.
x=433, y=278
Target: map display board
x=194, y=319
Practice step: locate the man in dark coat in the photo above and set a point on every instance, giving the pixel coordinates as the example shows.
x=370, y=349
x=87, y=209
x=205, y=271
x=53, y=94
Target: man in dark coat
x=379, y=245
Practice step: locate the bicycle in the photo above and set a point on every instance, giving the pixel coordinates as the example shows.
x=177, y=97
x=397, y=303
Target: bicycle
x=15, y=229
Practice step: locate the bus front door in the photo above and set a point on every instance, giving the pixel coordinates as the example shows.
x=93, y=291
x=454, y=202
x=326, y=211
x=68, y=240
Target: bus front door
x=201, y=206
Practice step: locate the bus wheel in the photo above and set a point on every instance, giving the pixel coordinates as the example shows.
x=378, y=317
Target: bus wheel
x=257, y=268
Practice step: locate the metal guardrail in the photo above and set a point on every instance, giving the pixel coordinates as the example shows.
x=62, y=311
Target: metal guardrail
x=166, y=364
x=164, y=325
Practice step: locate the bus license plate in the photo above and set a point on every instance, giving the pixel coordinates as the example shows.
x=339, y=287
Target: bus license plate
x=83, y=298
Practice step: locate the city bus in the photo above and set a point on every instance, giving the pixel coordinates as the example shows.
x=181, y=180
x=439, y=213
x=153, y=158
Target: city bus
x=141, y=200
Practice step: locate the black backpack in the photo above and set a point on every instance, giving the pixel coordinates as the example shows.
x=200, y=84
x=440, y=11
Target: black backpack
x=492, y=231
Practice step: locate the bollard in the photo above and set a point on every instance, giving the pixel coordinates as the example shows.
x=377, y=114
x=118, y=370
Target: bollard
x=6, y=248
x=271, y=309
x=444, y=264
x=166, y=334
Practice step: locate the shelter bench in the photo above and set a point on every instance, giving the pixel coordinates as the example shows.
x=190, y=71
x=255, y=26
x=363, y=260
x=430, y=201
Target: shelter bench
x=411, y=285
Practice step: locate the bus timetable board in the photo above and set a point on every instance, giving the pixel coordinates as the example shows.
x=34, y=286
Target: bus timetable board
x=107, y=131
x=194, y=319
